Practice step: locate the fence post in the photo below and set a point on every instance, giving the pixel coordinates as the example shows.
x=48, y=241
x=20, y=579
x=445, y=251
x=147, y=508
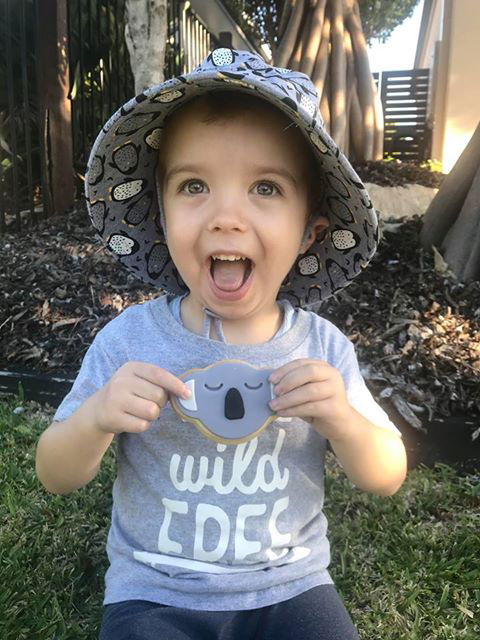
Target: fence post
x=55, y=107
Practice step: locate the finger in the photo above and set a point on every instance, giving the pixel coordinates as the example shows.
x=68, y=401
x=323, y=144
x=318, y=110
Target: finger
x=312, y=392
x=132, y=424
x=161, y=377
x=140, y=408
x=279, y=373
x=149, y=391
x=314, y=371
x=307, y=411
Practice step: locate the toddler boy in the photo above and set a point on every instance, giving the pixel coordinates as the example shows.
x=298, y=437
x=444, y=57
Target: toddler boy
x=222, y=188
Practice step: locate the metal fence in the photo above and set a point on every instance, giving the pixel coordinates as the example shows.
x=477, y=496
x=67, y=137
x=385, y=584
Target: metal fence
x=99, y=61
x=97, y=70
x=21, y=142
x=189, y=41
x=100, y=75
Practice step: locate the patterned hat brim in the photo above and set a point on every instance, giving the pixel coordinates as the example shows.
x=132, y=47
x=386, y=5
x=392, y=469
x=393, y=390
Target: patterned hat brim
x=121, y=188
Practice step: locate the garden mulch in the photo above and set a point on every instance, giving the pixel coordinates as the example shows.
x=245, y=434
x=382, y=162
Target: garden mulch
x=416, y=328
x=394, y=173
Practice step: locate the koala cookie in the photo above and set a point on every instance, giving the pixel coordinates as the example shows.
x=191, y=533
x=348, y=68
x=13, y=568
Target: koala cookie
x=229, y=402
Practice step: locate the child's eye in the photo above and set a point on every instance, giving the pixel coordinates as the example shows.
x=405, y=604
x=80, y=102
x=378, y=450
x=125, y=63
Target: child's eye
x=266, y=188
x=193, y=187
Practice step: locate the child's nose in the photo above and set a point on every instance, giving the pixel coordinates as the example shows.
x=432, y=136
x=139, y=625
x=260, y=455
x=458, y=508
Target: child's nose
x=227, y=215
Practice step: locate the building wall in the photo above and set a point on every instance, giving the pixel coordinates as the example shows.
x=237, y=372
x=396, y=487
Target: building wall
x=450, y=46
x=430, y=32
x=462, y=99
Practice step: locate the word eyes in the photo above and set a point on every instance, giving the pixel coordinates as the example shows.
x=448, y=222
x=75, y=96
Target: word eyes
x=213, y=388
x=253, y=387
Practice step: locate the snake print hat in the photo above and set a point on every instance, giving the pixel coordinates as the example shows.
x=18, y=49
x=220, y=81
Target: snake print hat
x=121, y=187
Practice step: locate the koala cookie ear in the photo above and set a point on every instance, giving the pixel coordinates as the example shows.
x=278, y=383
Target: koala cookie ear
x=189, y=403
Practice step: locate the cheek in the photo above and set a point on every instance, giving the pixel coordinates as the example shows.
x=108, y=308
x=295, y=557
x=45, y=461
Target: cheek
x=180, y=225
x=289, y=234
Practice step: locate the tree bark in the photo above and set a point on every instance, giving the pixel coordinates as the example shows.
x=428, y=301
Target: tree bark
x=444, y=208
x=324, y=39
x=338, y=79
x=53, y=83
x=287, y=43
x=319, y=73
x=313, y=39
x=146, y=37
x=462, y=242
x=452, y=221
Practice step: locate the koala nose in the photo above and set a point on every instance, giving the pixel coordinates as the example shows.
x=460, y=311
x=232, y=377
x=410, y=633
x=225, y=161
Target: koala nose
x=234, y=408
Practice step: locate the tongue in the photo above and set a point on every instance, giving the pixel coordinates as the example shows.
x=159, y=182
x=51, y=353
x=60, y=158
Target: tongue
x=228, y=275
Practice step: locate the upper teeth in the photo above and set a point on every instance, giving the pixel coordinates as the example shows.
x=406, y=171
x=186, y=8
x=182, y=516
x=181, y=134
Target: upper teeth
x=223, y=256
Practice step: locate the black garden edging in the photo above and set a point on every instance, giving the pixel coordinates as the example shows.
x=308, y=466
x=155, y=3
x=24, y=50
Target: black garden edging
x=43, y=388
x=448, y=440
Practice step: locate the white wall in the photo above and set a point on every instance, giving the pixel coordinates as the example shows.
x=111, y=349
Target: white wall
x=450, y=47
x=462, y=96
x=432, y=27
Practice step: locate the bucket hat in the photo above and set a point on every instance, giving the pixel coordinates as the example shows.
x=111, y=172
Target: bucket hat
x=124, y=203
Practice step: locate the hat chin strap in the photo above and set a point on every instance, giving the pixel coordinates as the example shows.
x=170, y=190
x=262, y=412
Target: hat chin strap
x=163, y=220
x=208, y=316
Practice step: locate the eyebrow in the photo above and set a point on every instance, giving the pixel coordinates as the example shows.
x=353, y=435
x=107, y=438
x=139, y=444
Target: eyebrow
x=192, y=168
x=184, y=168
x=277, y=171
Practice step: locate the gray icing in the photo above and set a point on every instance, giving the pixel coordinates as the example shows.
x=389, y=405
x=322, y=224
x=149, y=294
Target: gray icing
x=229, y=401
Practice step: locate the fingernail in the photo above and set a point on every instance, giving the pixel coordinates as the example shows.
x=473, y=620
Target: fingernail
x=186, y=392
x=274, y=404
x=273, y=378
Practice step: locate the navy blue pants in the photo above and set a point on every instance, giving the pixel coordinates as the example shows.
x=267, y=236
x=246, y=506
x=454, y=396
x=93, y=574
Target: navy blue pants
x=317, y=614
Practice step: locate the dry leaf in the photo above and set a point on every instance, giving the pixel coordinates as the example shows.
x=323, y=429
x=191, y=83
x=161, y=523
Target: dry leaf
x=440, y=265
x=407, y=414
x=464, y=610
x=62, y=323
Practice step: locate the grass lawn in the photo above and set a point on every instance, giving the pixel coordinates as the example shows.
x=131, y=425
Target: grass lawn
x=408, y=566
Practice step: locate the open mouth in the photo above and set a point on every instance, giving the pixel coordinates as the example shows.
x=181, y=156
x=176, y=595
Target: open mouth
x=229, y=271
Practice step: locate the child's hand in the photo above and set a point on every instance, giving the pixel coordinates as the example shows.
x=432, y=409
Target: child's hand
x=312, y=390
x=134, y=397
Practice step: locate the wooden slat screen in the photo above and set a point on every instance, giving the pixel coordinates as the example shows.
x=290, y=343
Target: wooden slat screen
x=405, y=100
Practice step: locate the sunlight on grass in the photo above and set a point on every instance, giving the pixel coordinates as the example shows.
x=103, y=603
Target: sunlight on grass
x=406, y=566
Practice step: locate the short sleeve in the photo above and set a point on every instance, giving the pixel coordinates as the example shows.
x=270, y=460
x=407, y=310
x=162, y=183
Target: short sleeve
x=96, y=369
x=359, y=395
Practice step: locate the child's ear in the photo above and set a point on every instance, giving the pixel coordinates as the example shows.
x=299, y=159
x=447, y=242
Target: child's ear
x=312, y=231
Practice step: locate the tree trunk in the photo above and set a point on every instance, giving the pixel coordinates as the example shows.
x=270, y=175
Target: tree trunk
x=53, y=83
x=452, y=221
x=146, y=36
x=324, y=38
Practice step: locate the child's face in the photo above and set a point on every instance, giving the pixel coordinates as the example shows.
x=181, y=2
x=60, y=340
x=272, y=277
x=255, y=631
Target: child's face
x=235, y=188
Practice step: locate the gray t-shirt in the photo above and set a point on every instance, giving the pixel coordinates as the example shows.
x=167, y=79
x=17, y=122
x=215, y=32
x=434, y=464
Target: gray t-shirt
x=208, y=526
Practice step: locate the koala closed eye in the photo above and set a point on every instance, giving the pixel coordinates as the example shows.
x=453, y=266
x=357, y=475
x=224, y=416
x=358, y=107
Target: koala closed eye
x=213, y=388
x=252, y=387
